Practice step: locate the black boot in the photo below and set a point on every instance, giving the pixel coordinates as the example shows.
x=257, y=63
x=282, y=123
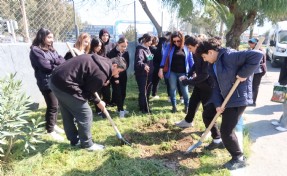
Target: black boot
x=185, y=110
x=174, y=110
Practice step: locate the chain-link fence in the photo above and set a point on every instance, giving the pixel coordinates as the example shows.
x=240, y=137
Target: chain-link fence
x=21, y=19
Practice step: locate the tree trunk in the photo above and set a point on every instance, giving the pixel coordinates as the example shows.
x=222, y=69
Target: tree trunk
x=240, y=24
x=251, y=30
x=153, y=20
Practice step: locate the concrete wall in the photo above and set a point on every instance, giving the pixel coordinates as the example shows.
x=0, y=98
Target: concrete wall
x=15, y=58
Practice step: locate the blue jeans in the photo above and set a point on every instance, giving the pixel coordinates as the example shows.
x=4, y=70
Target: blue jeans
x=173, y=78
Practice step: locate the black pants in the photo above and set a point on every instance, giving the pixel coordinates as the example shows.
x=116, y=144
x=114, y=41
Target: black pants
x=230, y=117
x=255, y=85
x=106, y=93
x=119, y=91
x=155, y=82
x=51, y=111
x=168, y=87
x=144, y=85
x=202, y=94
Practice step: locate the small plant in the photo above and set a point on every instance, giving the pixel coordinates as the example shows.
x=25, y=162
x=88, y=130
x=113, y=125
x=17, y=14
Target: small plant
x=14, y=124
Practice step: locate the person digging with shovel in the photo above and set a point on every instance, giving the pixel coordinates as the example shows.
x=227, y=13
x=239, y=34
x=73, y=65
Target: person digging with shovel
x=226, y=66
x=74, y=83
x=202, y=91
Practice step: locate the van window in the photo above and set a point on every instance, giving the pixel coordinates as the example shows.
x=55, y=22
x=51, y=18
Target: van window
x=282, y=37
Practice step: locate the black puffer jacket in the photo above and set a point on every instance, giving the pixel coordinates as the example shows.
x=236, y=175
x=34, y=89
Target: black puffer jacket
x=44, y=62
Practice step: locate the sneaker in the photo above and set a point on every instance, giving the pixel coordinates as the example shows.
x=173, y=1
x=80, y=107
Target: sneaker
x=279, y=128
x=78, y=144
x=122, y=114
x=183, y=124
x=185, y=110
x=56, y=136
x=181, y=100
x=214, y=145
x=95, y=147
x=174, y=109
x=154, y=98
x=58, y=130
x=234, y=164
x=275, y=123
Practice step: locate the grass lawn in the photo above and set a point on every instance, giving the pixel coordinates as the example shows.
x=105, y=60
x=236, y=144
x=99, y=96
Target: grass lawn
x=157, y=147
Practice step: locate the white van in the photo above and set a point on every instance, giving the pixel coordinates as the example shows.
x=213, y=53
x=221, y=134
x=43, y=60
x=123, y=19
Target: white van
x=277, y=44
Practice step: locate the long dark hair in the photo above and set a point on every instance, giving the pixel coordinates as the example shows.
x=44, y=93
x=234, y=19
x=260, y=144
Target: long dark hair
x=122, y=40
x=40, y=39
x=95, y=43
x=145, y=38
x=179, y=35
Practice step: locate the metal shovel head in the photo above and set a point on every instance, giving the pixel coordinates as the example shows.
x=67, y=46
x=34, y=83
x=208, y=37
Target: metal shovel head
x=124, y=141
x=193, y=147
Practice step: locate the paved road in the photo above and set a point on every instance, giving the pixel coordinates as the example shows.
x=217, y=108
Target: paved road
x=269, y=148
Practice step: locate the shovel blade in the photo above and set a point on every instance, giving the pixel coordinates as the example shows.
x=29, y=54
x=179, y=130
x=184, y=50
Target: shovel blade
x=193, y=147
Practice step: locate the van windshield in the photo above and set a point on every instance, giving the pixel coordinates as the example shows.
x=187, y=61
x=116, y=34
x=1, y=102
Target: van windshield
x=282, y=37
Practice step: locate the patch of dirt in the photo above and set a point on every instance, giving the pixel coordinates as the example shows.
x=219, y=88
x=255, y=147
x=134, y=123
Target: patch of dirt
x=159, y=141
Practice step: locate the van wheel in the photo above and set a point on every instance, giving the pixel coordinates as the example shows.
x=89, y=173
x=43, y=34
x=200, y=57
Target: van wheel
x=273, y=63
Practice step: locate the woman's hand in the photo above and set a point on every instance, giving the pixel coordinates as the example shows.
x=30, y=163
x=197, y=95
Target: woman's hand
x=107, y=83
x=146, y=67
x=160, y=73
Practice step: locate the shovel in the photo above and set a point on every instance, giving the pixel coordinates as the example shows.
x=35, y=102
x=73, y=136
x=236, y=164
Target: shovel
x=120, y=137
x=215, y=118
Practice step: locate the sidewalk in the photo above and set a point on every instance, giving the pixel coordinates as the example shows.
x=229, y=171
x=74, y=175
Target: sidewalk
x=269, y=146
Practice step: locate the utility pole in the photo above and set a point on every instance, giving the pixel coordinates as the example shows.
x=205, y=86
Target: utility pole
x=75, y=21
x=161, y=19
x=26, y=31
x=135, y=23
x=10, y=22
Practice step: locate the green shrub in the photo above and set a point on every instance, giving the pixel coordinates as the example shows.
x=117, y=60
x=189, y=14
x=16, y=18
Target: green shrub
x=14, y=122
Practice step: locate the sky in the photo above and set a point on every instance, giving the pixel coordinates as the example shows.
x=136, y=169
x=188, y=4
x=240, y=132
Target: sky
x=99, y=13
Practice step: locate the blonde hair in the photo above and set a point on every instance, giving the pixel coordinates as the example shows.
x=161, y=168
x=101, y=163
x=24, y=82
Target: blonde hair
x=79, y=42
x=202, y=37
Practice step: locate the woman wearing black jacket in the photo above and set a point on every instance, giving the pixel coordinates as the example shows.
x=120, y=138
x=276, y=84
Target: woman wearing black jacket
x=44, y=60
x=107, y=46
x=155, y=49
x=143, y=71
x=119, y=84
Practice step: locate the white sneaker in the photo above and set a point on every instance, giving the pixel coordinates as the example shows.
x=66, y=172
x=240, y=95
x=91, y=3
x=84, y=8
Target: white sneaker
x=281, y=129
x=56, y=136
x=95, y=147
x=154, y=98
x=58, y=130
x=122, y=114
x=183, y=124
x=181, y=100
x=275, y=123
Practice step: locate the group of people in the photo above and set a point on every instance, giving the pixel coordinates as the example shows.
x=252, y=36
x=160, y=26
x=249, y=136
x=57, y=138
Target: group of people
x=71, y=83
x=181, y=60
